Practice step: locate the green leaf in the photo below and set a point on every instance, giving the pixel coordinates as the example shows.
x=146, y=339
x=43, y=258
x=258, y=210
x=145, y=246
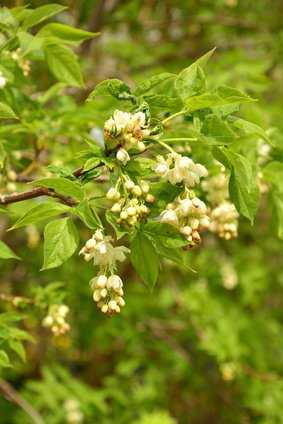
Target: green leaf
x=6, y=112
x=40, y=212
x=52, y=92
x=84, y=211
x=273, y=173
x=152, y=82
x=18, y=348
x=112, y=219
x=6, y=252
x=111, y=87
x=218, y=129
x=248, y=127
x=63, y=64
x=91, y=163
x=162, y=103
x=243, y=192
x=65, y=33
x=4, y=359
x=41, y=13
x=145, y=259
x=62, y=186
x=175, y=255
x=243, y=187
x=277, y=199
x=3, y=156
x=191, y=81
x=221, y=97
x=60, y=242
x=165, y=234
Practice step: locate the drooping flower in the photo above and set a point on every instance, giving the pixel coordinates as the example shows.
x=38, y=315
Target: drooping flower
x=180, y=169
x=108, y=293
x=100, y=249
x=56, y=319
x=224, y=220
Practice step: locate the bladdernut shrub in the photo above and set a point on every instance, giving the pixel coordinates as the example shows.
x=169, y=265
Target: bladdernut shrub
x=148, y=170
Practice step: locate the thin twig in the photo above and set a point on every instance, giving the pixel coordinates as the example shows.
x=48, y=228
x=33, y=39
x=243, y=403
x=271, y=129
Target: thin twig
x=40, y=191
x=11, y=394
x=35, y=192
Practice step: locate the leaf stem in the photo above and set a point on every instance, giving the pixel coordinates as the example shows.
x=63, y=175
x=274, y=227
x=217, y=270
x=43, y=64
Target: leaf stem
x=166, y=146
x=180, y=139
x=181, y=112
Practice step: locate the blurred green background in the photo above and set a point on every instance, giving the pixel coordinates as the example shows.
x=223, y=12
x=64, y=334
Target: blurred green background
x=205, y=347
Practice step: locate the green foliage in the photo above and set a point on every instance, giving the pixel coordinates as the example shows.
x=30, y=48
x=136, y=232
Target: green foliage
x=108, y=132
x=60, y=242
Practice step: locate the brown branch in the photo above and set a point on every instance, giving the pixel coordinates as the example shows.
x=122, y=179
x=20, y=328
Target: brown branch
x=11, y=394
x=42, y=191
x=35, y=192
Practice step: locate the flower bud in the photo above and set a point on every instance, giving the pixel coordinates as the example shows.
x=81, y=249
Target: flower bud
x=161, y=169
x=169, y=217
x=11, y=174
x=3, y=81
x=150, y=198
x=201, y=170
x=120, y=301
x=112, y=194
x=63, y=310
x=116, y=207
x=103, y=293
x=112, y=305
x=185, y=206
x=132, y=220
x=144, y=209
x=123, y=156
x=141, y=146
x=144, y=186
x=131, y=211
x=187, y=231
x=104, y=308
x=90, y=244
x=48, y=321
x=185, y=162
x=137, y=191
x=114, y=282
x=87, y=257
x=98, y=235
x=102, y=248
x=123, y=215
x=194, y=224
x=129, y=184
x=96, y=295
x=101, y=281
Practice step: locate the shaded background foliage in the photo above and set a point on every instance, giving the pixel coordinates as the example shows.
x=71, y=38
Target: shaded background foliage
x=198, y=349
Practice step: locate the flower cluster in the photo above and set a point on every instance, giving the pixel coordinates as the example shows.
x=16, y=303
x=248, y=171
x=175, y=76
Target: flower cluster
x=216, y=188
x=56, y=319
x=223, y=216
x=189, y=216
x=131, y=207
x=3, y=80
x=224, y=220
x=24, y=64
x=176, y=169
x=108, y=293
x=263, y=150
x=228, y=274
x=228, y=371
x=126, y=130
x=100, y=249
x=74, y=414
